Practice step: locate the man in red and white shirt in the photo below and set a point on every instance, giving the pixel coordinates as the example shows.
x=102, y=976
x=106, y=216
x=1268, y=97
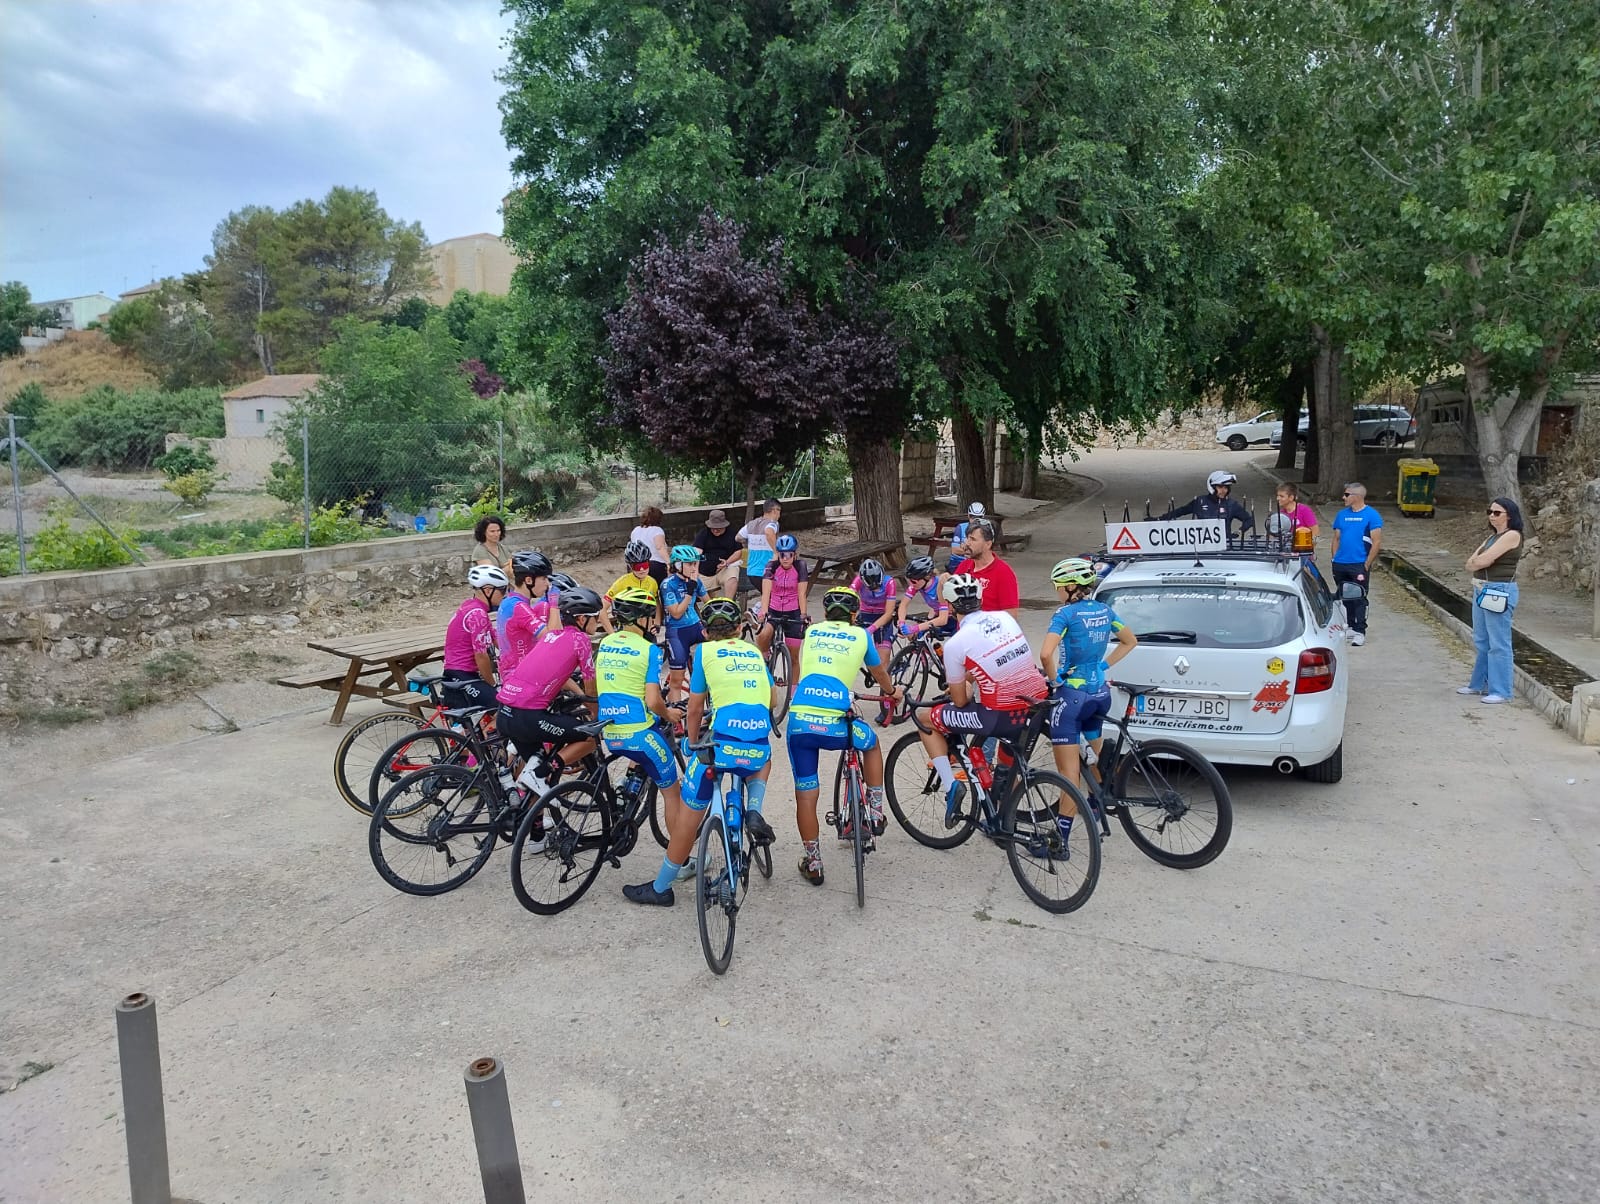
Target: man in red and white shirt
x=997, y=578
x=988, y=657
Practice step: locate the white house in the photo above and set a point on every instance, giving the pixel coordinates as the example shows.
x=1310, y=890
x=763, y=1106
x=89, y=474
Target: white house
x=250, y=410
x=77, y=312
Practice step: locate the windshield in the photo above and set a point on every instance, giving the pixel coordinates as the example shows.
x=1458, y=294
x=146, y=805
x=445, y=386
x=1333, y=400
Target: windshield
x=1207, y=616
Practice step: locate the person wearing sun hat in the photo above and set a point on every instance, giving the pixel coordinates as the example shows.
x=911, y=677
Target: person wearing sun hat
x=720, y=554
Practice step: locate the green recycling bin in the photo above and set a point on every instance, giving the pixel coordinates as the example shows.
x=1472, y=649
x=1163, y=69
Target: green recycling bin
x=1415, y=493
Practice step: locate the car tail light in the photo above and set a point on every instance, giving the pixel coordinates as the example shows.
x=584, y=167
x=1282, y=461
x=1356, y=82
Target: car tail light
x=1411, y=427
x=1316, y=671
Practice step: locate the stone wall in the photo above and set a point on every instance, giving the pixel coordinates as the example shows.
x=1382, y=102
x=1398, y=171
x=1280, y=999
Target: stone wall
x=1008, y=457
x=73, y=615
x=916, y=473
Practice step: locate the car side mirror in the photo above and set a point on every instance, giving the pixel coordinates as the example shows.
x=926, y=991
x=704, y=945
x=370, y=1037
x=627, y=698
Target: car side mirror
x=1350, y=592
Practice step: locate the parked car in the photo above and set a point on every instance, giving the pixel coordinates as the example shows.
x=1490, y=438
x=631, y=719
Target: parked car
x=1381, y=426
x=1248, y=652
x=1240, y=435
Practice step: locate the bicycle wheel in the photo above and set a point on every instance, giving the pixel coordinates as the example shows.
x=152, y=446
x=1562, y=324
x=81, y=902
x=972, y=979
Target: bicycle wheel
x=917, y=799
x=713, y=900
x=780, y=662
x=1173, y=804
x=362, y=748
x=417, y=750
x=1059, y=875
x=656, y=805
x=858, y=819
x=761, y=854
x=559, y=848
x=909, y=668
x=427, y=834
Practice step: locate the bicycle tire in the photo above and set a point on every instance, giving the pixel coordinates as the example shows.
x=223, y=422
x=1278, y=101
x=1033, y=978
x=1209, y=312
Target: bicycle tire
x=658, y=814
x=1164, y=789
x=424, y=816
x=780, y=664
x=858, y=819
x=761, y=854
x=413, y=751
x=373, y=735
x=715, y=912
x=917, y=799
x=1034, y=847
x=577, y=836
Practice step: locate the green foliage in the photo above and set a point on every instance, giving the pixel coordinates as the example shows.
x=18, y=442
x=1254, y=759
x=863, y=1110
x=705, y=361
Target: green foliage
x=157, y=680
x=174, y=336
x=193, y=488
x=55, y=546
x=464, y=516
x=17, y=314
x=210, y=538
x=713, y=485
x=340, y=522
x=546, y=455
x=123, y=431
x=184, y=459
x=27, y=403
x=10, y=560
x=478, y=322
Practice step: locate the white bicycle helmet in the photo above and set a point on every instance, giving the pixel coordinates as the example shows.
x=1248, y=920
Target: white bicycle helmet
x=964, y=592
x=976, y=510
x=487, y=576
x=1221, y=477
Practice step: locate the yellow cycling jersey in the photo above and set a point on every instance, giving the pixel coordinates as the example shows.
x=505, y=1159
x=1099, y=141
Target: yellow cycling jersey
x=629, y=581
x=624, y=664
x=734, y=675
x=830, y=660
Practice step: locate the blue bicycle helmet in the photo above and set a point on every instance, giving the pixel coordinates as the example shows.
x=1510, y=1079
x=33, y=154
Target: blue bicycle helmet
x=788, y=543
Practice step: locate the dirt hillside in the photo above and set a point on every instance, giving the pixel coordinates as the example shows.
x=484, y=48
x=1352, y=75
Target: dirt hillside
x=82, y=360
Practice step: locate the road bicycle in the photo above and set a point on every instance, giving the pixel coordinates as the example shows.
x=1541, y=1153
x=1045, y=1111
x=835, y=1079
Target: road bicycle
x=1170, y=799
x=849, y=815
x=779, y=658
x=1015, y=804
x=918, y=665
x=361, y=753
x=724, y=855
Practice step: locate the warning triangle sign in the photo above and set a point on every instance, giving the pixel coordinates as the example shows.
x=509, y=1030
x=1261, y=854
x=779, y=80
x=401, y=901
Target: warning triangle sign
x=1125, y=541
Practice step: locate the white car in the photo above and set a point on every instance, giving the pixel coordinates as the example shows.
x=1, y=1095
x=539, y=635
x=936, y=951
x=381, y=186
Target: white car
x=1248, y=654
x=1240, y=435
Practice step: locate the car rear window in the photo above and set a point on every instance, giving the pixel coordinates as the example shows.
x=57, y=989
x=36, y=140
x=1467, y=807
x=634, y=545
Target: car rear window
x=1208, y=616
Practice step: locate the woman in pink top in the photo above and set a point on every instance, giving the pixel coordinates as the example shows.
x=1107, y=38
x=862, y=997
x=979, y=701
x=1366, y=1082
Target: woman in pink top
x=1302, y=515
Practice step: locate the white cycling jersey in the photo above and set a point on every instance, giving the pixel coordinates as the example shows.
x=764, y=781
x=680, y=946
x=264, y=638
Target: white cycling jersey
x=991, y=649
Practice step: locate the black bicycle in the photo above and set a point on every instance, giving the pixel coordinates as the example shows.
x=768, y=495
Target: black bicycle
x=1015, y=804
x=849, y=815
x=1170, y=800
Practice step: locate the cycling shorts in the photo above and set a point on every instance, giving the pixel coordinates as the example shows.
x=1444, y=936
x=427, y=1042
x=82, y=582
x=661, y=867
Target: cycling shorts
x=884, y=634
x=1077, y=713
x=742, y=758
x=463, y=689
x=974, y=719
x=679, y=641
x=529, y=730
x=790, y=624
x=807, y=736
x=649, y=749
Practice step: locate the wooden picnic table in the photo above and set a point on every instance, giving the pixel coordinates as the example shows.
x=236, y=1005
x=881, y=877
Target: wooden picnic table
x=842, y=560
x=376, y=664
x=945, y=523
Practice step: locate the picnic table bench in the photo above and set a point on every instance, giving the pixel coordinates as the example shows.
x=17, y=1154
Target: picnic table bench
x=842, y=560
x=376, y=665
x=945, y=523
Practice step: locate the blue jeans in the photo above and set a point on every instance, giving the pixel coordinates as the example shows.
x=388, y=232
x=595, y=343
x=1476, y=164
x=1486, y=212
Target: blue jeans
x=1491, y=636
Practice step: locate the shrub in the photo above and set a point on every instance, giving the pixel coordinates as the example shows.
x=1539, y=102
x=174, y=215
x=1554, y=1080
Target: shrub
x=108, y=429
x=184, y=459
x=833, y=481
x=193, y=487
x=56, y=546
x=338, y=523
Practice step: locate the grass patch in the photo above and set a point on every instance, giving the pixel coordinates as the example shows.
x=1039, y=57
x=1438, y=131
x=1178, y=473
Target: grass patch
x=157, y=680
x=132, y=512
x=63, y=715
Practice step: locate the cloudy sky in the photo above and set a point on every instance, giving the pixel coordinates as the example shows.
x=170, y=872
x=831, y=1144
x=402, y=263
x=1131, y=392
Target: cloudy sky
x=130, y=128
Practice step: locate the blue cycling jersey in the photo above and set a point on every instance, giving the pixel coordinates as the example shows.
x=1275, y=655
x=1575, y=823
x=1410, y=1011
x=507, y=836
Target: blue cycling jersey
x=674, y=590
x=1086, y=629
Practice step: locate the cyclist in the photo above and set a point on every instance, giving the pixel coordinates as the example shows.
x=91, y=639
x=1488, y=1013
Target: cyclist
x=1075, y=659
x=878, y=592
x=783, y=597
x=733, y=677
x=637, y=557
x=760, y=538
x=527, y=609
x=959, y=550
x=1216, y=503
x=922, y=585
x=992, y=681
x=469, y=640
x=681, y=594
x=628, y=673
x=834, y=651
x=530, y=688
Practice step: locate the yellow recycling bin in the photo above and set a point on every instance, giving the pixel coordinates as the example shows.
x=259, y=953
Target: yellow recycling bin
x=1415, y=492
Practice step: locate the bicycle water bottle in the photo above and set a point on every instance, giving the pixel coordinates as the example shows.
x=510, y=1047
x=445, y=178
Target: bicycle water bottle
x=980, y=766
x=733, y=813
x=632, y=785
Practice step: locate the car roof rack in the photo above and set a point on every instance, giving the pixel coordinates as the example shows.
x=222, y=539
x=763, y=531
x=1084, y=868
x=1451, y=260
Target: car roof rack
x=1258, y=547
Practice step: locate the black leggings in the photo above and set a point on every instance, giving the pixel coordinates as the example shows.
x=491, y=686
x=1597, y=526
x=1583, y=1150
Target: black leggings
x=463, y=688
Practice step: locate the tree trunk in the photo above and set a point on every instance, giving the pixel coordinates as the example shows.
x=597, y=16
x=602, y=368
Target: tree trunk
x=1331, y=417
x=991, y=441
x=875, y=478
x=1030, y=472
x=1502, y=424
x=1291, y=397
x=974, y=483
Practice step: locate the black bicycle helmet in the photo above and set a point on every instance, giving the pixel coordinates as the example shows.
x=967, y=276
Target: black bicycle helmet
x=720, y=614
x=637, y=552
x=531, y=563
x=872, y=574
x=920, y=569
x=563, y=582
x=579, y=603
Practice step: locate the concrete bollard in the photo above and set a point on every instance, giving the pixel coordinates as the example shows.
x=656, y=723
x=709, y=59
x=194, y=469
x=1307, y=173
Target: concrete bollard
x=490, y=1106
x=143, y=1109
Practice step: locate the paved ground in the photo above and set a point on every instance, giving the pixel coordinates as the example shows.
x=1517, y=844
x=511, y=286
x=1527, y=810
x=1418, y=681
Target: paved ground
x=1383, y=990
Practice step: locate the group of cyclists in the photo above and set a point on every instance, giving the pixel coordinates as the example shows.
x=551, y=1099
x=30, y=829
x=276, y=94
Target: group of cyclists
x=670, y=664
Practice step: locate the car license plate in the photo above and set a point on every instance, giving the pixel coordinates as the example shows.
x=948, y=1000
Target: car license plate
x=1183, y=706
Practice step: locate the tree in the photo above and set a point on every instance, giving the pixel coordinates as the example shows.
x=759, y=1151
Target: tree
x=714, y=357
x=279, y=281
x=18, y=314
x=174, y=335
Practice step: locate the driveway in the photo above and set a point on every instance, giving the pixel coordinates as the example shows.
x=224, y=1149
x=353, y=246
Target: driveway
x=1385, y=989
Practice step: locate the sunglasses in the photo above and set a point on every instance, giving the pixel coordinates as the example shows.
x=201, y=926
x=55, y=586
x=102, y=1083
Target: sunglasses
x=1493, y=511
x=642, y=567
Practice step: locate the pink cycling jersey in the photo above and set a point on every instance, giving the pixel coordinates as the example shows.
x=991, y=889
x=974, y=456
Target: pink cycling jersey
x=785, y=584
x=874, y=602
x=544, y=670
x=524, y=626
x=991, y=649
x=470, y=632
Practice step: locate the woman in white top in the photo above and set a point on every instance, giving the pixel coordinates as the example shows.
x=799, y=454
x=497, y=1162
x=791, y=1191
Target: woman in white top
x=650, y=533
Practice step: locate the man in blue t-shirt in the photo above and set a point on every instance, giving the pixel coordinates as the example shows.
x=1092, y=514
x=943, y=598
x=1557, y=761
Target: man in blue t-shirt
x=1357, y=536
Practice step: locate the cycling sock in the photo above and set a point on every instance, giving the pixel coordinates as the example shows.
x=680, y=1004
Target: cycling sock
x=667, y=875
x=811, y=849
x=947, y=776
x=875, y=796
x=755, y=793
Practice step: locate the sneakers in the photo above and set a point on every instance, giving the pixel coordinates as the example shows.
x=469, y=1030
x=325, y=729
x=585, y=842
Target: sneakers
x=952, y=803
x=1494, y=698
x=1358, y=638
x=811, y=867
x=647, y=894
x=537, y=837
x=760, y=830
x=1467, y=690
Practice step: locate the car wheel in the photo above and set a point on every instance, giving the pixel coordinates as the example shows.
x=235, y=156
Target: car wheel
x=1327, y=772
x=1237, y=442
x=1387, y=439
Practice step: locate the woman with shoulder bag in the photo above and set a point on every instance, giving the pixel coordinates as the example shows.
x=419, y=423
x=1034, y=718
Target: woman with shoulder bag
x=1494, y=601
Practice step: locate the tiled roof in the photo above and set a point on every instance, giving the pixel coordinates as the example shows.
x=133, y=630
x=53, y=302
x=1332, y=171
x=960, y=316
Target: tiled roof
x=290, y=384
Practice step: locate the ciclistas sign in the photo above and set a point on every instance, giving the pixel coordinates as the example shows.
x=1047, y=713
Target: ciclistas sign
x=1177, y=536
